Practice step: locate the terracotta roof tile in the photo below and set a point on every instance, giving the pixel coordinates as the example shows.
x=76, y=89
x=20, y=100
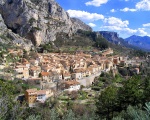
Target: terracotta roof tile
x=45, y=73
x=41, y=92
x=71, y=82
x=31, y=90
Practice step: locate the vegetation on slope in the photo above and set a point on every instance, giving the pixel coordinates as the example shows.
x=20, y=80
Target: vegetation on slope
x=114, y=102
x=82, y=40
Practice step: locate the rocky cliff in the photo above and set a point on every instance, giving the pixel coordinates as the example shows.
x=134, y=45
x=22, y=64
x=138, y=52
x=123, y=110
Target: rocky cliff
x=8, y=37
x=38, y=20
x=111, y=36
x=114, y=38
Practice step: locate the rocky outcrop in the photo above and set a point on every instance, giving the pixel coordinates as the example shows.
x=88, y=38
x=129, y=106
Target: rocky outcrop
x=39, y=20
x=111, y=36
x=8, y=37
x=78, y=24
x=114, y=38
x=3, y=29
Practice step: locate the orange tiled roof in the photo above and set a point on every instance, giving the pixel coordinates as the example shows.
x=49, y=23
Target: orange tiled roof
x=31, y=90
x=66, y=74
x=33, y=68
x=72, y=82
x=45, y=73
x=79, y=70
x=24, y=63
x=41, y=92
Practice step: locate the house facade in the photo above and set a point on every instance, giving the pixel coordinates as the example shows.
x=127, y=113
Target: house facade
x=72, y=85
x=34, y=96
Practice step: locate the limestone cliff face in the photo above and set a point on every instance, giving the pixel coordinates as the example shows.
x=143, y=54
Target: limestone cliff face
x=78, y=24
x=38, y=20
x=111, y=36
x=8, y=37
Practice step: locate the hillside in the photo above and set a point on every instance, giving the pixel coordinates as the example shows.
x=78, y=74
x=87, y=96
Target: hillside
x=138, y=41
x=29, y=23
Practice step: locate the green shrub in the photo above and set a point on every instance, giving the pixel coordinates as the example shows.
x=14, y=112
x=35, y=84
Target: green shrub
x=123, y=71
x=36, y=1
x=96, y=88
x=63, y=98
x=32, y=20
x=3, y=37
x=37, y=28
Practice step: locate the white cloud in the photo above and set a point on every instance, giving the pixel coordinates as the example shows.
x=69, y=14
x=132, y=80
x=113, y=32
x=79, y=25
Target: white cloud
x=141, y=31
x=112, y=10
x=128, y=9
x=124, y=0
x=96, y=3
x=129, y=30
x=143, y=5
x=146, y=25
x=120, y=26
x=111, y=28
x=92, y=24
x=83, y=15
x=112, y=21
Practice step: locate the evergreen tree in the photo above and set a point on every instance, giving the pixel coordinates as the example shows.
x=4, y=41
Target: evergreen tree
x=107, y=102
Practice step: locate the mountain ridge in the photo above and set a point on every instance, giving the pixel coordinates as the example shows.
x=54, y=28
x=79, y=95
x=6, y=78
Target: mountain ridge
x=143, y=42
x=34, y=22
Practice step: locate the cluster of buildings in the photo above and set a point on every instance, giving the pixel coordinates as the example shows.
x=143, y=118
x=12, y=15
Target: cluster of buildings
x=34, y=96
x=53, y=72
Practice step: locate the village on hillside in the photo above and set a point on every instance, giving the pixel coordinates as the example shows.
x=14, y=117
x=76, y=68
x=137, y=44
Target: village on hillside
x=53, y=73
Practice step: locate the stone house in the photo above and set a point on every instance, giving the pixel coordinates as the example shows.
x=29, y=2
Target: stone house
x=109, y=65
x=39, y=58
x=34, y=96
x=77, y=75
x=56, y=76
x=80, y=73
x=42, y=95
x=117, y=60
x=58, y=69
x=31, y=96
x=34, y=62
x=26, y=63
x=89, y=71
x=72, y=85
x=35, y=71
x=66, y=76
x=47, y=68
x=21, y=71
x=46, y=76
x=83, y=72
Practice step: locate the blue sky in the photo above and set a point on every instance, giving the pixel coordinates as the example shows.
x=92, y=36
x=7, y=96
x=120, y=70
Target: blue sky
x=127, y=17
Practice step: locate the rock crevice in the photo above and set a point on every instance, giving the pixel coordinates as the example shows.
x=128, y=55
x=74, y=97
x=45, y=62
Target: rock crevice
x=39, y=20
